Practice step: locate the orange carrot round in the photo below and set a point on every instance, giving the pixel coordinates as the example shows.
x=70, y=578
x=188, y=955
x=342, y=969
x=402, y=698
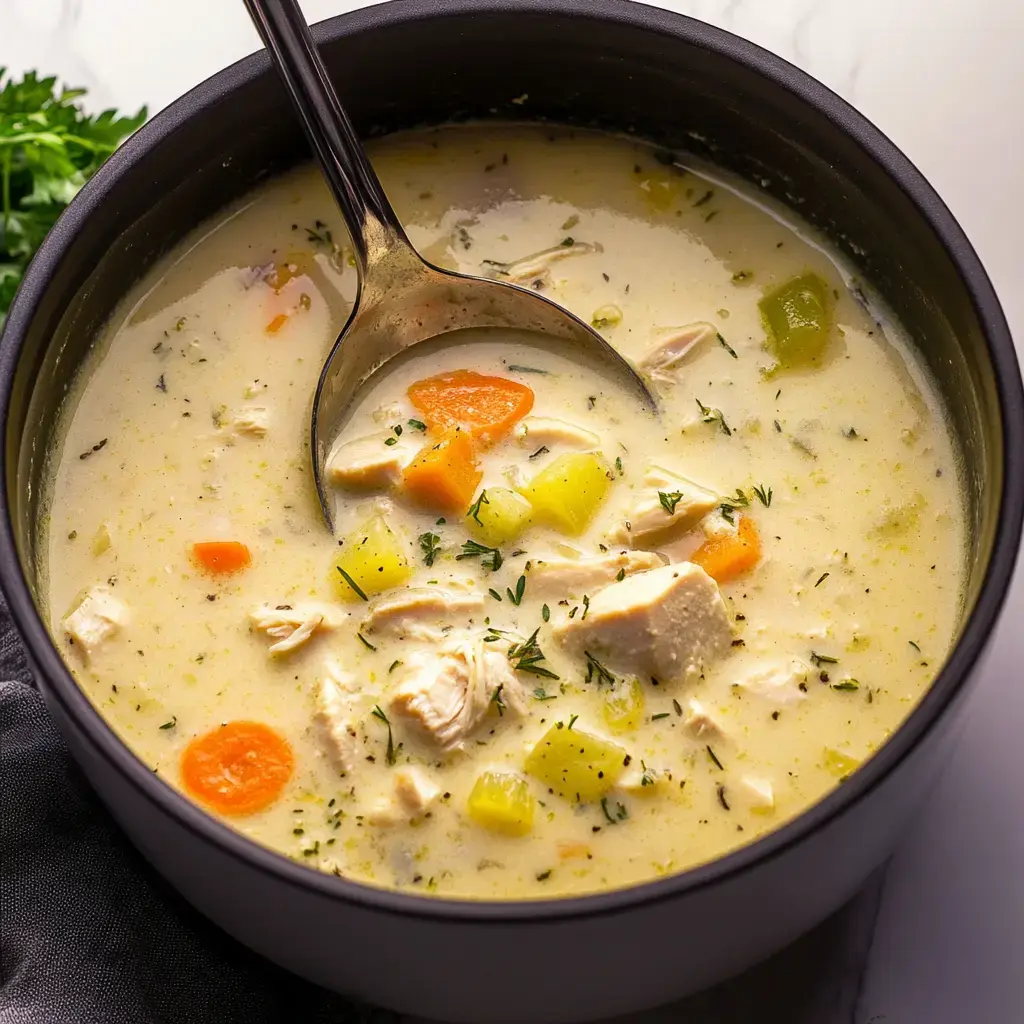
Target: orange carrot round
x=237, y=769
x=221, y=556
x=724, y=558
x=444, y=474
x=488, y=407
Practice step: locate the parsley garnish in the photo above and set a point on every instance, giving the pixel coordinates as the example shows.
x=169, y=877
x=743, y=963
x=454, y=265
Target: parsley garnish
x=174, y=718
x=494, y=593
x=572, y=721
x=517, y=597
x=545, y=612
x=669, y=500
x=709, y=415
x=417, y=424
x=764, y=495
x=822, y=659
x=378, y=713
x=846, y=684
x=595, y=668
x=526, y=656
x=541, y=694
x=662, y=714
x=490, y=558
x=430, y=545
x=620, y=812
x=474, y=509
x=389, y=441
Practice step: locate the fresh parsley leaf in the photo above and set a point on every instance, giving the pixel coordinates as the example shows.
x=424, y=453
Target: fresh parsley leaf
x=430, y=545
x=490, y=558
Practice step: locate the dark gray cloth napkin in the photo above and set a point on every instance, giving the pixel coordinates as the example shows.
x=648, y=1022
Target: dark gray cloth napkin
x=90, y=934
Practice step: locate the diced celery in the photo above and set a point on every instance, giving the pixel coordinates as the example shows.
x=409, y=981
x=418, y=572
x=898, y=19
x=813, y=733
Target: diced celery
x=798, y=319
x=840, y=764
x=568, y=493
x=624, y=706
x=575, y=764
x=498, y=516
x=374, y=560
x=502, y=802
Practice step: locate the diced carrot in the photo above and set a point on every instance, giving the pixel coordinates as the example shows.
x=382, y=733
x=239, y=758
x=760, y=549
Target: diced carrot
x=723, y=558
x=444, y=475
x=488, y=407
x=221, y=556
x=568, y=850
x=277, y=323
x=239, y=768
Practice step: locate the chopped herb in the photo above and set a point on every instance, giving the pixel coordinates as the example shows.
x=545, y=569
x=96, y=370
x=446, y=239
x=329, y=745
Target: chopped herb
x=620, y=575
x=543, y=876
x=764, y=495
x=389, y=441
x=394, y=665
x=595, y=668
x=171, y=724
x=677, y=707
x=490, y=558
x=778, y=426
x=661, y=714
x=721, y=797
x=705, y=198
x=95, y=448
x=352, y=583
x=541, y=694
x=742, y=275
x=709, y=415
x=711, y=754
x=850, y=432
x=591, y=401
x=517, y=597
x=417, y=424
x=586, y=606
x=915, y=646
x=545, y=612
x=474, y=509
x=572, y=721
x=728, y=348
x=568, y=241
x=618, y=465
x=669, y=500
x=620, y=812
x=441, y=521
x=822, y=659
x=517, y=368
x=542, y=450
x=366, y=643
x=497, y=701
x=846, y=684
x=647, y=778
x=526, y=656
x=821, y=579
x=494, y=593
x=378, y=713
x=430, y=545
x=161, y=384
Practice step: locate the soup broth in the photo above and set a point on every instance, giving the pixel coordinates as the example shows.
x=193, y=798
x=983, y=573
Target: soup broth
x=558, y=644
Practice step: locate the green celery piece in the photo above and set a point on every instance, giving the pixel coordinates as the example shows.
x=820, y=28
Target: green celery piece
x=798, y=318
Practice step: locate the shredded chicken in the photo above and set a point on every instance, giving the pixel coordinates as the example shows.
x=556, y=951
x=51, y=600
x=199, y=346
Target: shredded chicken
x=701, y=722
x=420, y=613
x=670, y=506
x=369, y=463
x=95, y=619
x=666, y=623
x=574, y=577
x=778, y=683
x=545, y=431
x=663, y=360
x=252, y=420
x=414, y=795
x=758, y=794
x=335, y=714
x=448, y=691
x=291, y=626
x=535, y=270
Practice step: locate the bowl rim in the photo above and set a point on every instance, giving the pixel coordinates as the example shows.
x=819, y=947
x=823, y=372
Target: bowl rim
x=937, y=700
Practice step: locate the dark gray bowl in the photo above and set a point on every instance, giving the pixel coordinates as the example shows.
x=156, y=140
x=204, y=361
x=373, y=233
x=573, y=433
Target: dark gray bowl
x=605, y=63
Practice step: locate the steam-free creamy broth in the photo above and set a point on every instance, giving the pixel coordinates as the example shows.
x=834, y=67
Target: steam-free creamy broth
x=557, y=644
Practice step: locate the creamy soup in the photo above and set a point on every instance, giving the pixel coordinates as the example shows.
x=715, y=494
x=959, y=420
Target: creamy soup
x=557, y=644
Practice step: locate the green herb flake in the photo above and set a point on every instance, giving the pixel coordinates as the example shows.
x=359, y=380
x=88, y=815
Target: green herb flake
x=352, y=583
x=366, y=643
x=430, y=545
x=763, y=495
x=728, y=348
x=821, y=579
x=846, y=684
x=474, y=509
x=490, y=558
x=416, y=424
x=174, y=718
x=545, y=613
x=660, y=715
x=378, y=713
x=596, y=670
x=669, y=500
x=714, y=758
x=516, y=597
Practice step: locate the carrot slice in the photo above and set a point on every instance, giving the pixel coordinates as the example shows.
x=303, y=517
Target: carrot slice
x=488, y=407
x=723, y=558
x=221, y=556
x=239, y=768
x=277, y=323
x=444, y=474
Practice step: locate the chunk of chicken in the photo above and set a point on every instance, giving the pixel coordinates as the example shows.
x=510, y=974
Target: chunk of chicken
x=335, y=715
x=369, y=463
x=650, y=521
x=536, y=432
x=291, y=626
x=419, y=613
x=757, y=794
x=663, y=360
x=448, y=691
x=574, y=577
x=778, y=683
x=535, y=271
x=666, y=623
x=701, y=722
x=96, y=618
x=641, y=780
x=413, y=796
x=252, y=420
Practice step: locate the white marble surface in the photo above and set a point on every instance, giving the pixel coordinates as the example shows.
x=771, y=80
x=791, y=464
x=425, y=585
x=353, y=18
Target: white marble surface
x=944, y=79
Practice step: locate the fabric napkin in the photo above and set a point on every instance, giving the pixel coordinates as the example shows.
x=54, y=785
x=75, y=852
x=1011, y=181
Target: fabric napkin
x=90, y=934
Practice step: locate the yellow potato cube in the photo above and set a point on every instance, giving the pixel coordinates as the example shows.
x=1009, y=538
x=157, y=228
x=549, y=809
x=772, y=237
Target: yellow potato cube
x=575, y=764
x=624, y=706
x=370, y=560
x=502, y=802
x=568, y=493
x=498, y=516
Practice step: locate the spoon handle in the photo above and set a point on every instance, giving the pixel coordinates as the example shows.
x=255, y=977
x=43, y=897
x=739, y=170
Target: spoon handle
x=355, y=185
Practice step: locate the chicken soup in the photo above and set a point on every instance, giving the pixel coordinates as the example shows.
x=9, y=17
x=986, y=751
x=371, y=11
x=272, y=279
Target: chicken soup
x=557, y=643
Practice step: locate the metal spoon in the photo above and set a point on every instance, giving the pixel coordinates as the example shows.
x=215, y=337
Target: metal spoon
x=402, y=299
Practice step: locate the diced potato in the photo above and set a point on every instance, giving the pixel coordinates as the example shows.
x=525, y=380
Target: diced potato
x=101, y=540
x=840, y=764
x=568, y=493
x=502, y=802
x=373, y=557
x=575, y=764
x=501, y=516
x=798, y=319
x=624, y=706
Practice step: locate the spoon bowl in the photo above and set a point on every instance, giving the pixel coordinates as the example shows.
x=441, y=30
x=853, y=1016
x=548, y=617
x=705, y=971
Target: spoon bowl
x=402, y=299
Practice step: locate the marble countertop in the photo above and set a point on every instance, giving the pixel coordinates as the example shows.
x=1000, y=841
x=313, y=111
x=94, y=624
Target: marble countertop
x=945, y=81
